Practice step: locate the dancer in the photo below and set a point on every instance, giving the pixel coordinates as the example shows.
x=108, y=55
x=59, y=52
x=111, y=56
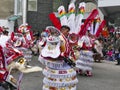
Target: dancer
x=59, y=72
x=85, y=61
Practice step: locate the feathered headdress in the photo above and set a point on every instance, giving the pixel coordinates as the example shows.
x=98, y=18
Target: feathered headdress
x=69, y=18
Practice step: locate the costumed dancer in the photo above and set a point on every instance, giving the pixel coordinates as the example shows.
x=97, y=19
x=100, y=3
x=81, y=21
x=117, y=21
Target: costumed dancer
x=12, y=58
x=8, y=57
x=72, y=22
x=85, y=61
x=59, y=72
x=13, y=55
x=24, y=40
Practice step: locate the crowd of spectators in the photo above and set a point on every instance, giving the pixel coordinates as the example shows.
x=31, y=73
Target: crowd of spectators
x=111, y=44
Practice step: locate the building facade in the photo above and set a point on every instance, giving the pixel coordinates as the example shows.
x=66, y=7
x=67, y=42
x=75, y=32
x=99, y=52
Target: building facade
x=6, y=8
x=39, y=18
x=38, y=10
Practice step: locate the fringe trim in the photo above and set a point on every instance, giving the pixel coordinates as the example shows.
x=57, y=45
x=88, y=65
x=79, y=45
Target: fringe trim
x=86, y=58
x=83, y=65
x=45, y=87
x=59, y=84
x=59, y=73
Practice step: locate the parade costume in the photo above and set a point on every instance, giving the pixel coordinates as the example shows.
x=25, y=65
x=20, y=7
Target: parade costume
x=59, y=74
x=26, y=38
x=12, y=55
x=87, y=42
x=85, y=60
x=6, y=78
x=11, y=58
x=22, y=41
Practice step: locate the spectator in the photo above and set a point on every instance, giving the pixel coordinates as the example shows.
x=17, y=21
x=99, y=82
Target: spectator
x=117, y=48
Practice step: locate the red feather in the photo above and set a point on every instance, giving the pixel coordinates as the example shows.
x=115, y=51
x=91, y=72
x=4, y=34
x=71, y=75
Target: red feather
x=88, y=22
x=55, y=21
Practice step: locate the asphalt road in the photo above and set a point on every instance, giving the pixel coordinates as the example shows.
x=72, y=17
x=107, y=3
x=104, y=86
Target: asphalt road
x=106, y=76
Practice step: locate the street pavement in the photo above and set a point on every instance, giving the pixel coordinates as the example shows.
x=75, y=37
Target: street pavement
x=106, y=76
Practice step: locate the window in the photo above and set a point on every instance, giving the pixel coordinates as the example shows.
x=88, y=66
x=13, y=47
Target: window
x=18, y=7
x=32, y=5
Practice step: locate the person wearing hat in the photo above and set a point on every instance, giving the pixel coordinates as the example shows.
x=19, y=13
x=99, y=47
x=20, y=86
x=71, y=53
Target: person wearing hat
x=117, y=48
